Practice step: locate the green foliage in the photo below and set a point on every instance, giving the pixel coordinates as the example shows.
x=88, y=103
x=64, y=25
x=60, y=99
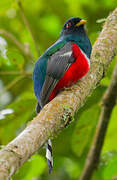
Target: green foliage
x=107, y=168
x=21, y=106
x=31, y=169
x=111, y=136
x=18, y=53
x=85, y=124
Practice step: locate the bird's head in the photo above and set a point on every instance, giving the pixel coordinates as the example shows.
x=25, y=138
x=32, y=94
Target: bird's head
x=73, y=26
x=73, y=30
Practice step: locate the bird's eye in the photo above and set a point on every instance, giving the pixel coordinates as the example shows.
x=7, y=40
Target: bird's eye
x=68, y=25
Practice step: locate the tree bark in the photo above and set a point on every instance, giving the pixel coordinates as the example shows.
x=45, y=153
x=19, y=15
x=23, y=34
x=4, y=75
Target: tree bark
x=59, y=112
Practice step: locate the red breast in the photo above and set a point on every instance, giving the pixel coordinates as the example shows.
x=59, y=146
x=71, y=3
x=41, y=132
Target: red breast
x=75, y=72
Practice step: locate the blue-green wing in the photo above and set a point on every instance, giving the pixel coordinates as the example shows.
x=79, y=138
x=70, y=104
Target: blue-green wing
x=39, y=72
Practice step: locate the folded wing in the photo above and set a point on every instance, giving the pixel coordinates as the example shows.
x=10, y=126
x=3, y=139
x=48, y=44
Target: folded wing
x=57, y=65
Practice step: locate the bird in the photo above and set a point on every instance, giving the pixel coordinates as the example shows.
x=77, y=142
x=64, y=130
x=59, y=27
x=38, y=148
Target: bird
x=61, y=65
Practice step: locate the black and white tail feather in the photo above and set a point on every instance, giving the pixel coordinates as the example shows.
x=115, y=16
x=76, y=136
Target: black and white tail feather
x=49, y=155
x=48, y=147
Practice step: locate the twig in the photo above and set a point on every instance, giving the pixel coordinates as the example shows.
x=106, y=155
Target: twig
x=56, y=114
x=27, y=24
x=108, y=102
x=13, y=39
x=11, y=84
x=15, y=73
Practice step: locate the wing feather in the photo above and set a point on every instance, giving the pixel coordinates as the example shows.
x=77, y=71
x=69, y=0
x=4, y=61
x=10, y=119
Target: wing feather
x=56, y=67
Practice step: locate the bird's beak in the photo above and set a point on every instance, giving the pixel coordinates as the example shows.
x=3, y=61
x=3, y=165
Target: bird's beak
x=81, y=22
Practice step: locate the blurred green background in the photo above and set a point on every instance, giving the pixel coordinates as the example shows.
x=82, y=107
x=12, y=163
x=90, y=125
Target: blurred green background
x=26, y=30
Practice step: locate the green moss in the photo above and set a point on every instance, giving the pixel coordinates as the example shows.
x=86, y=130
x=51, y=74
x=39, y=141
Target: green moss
x=97, y=55
x=67, y=115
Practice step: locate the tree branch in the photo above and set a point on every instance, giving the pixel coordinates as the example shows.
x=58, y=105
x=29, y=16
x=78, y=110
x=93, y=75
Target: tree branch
x=25, y=73
x=58, y=113
x=11, y=84
x=20, y=46
x=108, y=102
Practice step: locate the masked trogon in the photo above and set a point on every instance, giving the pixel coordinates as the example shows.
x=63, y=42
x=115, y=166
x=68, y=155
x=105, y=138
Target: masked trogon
x=61, y=65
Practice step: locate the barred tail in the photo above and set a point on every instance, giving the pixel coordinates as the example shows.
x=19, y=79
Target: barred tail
x=49, y=155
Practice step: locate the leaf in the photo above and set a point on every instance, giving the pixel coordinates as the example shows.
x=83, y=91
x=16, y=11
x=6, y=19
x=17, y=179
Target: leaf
x=107, y=79
x=66, y=166
x=84, y=129
x=107, y=169
x=23, y=107
x=16, y=59
x=71, y=167
x=101, y=20
x=111, y=135
x=32, y=168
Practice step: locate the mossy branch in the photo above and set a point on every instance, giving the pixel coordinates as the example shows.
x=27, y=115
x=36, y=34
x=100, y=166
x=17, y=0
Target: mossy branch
x=55, y=115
